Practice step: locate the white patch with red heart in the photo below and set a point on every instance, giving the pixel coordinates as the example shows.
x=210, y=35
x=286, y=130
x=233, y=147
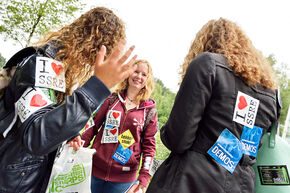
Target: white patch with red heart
x=110, y=134
x=113, y=118
x=246, y=109
x=49, y=73
x=32, y=100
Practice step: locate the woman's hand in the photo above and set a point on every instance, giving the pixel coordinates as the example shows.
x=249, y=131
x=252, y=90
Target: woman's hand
x=76, y=143
x=113, y=70
x=137, y=188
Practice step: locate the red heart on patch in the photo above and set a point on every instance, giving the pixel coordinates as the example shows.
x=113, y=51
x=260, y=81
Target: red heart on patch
x=87, y=126
x=242, y=103
x=116, y=115
x=113, y=131
x=56, y=68
x=37, y=101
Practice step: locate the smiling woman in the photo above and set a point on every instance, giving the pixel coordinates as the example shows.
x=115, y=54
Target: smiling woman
x=128, y=127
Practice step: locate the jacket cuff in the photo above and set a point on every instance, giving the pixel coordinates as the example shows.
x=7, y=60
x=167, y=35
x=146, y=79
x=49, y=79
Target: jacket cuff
x=144, y=179
x=96, y=90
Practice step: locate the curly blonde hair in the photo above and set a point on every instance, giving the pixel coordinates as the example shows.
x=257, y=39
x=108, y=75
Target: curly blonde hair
x=146, y=91
x=80, y=42
x=226, y=38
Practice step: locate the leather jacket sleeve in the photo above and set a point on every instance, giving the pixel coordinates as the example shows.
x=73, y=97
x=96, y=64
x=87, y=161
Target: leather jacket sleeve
x=48, y=128
x=179, y=133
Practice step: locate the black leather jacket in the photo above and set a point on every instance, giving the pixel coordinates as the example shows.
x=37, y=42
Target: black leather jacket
x=203, y=108
x=27, y=152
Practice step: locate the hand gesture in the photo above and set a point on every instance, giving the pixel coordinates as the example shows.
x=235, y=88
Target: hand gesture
x=113, y=70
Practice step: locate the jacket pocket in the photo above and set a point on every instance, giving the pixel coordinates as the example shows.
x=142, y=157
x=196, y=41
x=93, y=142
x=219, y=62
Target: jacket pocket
x=21, y=177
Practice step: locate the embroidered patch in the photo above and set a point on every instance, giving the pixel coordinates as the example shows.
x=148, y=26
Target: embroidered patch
x=250, y=140
x=49, y=73
x=246, y=109
x=32, y=100
x=126, y=139
x=126, y=169
x=227, y=150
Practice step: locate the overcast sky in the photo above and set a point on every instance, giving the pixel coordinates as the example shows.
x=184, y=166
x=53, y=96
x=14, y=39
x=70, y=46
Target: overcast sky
x=162, y=30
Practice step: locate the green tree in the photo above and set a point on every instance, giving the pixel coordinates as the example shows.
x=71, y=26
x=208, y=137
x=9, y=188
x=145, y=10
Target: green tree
x=2, y=61
x=21, y=20
x=284, y=84
x=164, y=99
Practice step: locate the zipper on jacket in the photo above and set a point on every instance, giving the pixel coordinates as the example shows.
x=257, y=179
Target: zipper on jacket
x=111, y=157
x=110, y=165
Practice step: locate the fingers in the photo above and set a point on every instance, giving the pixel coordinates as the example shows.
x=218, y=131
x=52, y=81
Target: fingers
x=118, y=50
x=101, y=55
x=76, y=143
x=79, y=141
x=126, y=55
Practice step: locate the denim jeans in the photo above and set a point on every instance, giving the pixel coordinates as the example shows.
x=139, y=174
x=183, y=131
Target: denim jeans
x=101, y=186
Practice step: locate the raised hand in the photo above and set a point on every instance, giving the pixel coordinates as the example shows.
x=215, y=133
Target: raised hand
x=113, y=70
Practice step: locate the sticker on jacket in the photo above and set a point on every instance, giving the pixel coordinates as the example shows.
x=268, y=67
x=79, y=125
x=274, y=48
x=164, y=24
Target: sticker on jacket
x=49, y=73
x=89, y=124
x=227, y=150
x=246, y=109
x=32, y=100
x=110, y=134
x=126, y=139
x=122, y=155
x=113, y=118
x=250, y=140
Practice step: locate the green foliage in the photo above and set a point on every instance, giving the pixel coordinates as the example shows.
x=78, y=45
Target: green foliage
x=2, y=61
x=284, y=84
x=20, y=20
x=164, y=99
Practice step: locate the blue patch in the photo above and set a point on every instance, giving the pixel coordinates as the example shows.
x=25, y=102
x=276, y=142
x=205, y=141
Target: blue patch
x=250, y=140
x=227, y=150
x=122, y=155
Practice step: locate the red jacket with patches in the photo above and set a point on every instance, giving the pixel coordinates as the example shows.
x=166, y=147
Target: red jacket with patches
x=104, y=166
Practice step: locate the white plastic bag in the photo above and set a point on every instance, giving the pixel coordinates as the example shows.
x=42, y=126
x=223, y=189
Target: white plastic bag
x=71, y=171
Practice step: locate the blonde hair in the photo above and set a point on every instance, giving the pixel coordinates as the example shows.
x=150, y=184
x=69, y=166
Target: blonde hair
x=80, y=42
x=146, y=91
x=226, y=38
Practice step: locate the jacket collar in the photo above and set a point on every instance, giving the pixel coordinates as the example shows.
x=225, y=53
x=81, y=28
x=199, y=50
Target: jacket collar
x=51, y=48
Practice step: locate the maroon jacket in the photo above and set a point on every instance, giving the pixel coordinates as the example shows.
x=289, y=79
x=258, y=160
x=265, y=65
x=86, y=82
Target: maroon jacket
x=104, y=166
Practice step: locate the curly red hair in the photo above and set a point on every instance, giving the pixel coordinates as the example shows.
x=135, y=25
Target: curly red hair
x=226, y=38
x=80, y=42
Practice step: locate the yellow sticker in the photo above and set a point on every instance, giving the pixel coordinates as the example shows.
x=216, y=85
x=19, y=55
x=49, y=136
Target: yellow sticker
x=126, y=139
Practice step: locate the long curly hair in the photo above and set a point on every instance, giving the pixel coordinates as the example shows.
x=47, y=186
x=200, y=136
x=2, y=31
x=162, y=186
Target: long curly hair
x=226, y=38
x=146, y=91
x=81, y=41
